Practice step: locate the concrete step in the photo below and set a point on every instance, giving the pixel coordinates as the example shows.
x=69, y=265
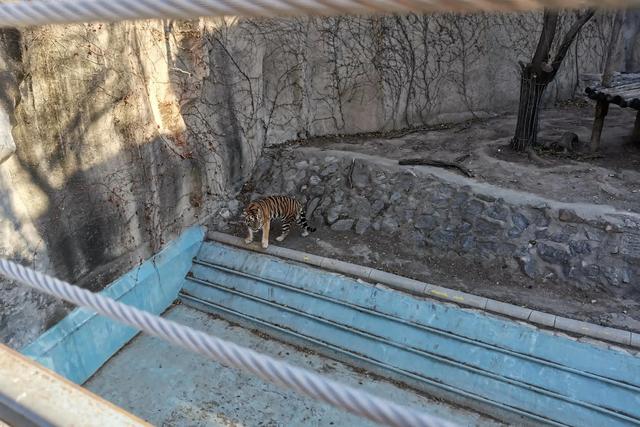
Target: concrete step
x=507, y=369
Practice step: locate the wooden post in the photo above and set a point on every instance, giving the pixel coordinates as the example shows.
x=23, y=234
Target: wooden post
x=602, y=108
x=635, y=135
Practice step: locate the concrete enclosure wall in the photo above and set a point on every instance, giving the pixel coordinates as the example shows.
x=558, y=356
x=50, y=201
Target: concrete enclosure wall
x=125, y=133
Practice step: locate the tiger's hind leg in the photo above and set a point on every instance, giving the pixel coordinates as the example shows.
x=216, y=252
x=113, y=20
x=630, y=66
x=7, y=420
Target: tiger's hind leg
x=286, y=227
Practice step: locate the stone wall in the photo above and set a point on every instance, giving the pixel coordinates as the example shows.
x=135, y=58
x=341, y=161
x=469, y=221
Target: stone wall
x=439, y=213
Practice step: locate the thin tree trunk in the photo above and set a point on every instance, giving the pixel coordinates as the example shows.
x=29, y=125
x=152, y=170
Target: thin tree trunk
x=635, y=135
x=612, y=49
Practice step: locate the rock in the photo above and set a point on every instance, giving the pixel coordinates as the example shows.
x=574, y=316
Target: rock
x=520, y=221
x=464, y=227
x=506, y=249
x=264, y=164
x=376, y=225
x=552, y=254
x=379, y=178
x=314, y=180
x=338, y=195
x=443, y=237
x=303, y=164
x=591, y=271
x=540, y=217
x=567, y=215
x=579, y=247
x=389, y=224
x=362, y=225
x=342, y=225
x=556, y=236
x=569, y=142
x=405, y=182
x=377, y=207
x=334, y=213
x=613, y=275
x=610, y=190
x=441, y=196
x=290, y=187
x=300, y=177
x=486, y=197
x=395, y=197
x=468, y=243
x=329, y=170
x=498, y=211
x=459, y=199
x=408, y=215
x=360, y=174
x=472, y=209
x=311, y=207
x=528, y=265
x=318, y=190
x=411, y=202
x=487, y=227
x=425, y=222
x=626, y=276
x=234, y=206
x=225, y=213
x=289, y=173
x=488, y=248
x=360, y=207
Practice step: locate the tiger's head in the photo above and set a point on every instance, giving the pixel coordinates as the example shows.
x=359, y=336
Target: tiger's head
x=252, y=217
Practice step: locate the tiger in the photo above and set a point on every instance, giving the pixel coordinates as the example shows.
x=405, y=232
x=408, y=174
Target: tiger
x=259, y=213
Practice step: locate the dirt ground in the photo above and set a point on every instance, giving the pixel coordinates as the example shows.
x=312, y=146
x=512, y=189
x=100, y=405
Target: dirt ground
x=612, y=177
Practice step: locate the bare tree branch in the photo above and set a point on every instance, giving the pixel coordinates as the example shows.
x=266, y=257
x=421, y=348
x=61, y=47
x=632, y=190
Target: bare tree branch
x=568, y=38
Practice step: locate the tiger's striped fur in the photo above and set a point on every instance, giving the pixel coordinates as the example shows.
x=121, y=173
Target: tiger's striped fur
x=258, y=215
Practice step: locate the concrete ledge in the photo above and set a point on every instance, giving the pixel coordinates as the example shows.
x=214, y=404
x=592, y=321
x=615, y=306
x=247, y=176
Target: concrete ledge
x=53, y=398
x=394, y=281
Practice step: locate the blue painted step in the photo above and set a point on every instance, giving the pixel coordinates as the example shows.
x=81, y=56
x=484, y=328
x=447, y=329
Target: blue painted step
x=509, y=366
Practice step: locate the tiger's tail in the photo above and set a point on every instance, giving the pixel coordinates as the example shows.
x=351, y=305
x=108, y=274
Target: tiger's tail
x=302, y=221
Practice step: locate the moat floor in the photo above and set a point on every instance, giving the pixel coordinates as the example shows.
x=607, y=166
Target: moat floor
x=168, y=386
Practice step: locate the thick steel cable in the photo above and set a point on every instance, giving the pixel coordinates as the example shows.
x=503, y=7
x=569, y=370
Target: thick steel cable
x=44, y=12
x=228, y=353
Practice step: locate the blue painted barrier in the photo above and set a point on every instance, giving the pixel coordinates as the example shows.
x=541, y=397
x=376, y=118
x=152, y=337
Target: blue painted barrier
x=83, y=341
x=500, y=363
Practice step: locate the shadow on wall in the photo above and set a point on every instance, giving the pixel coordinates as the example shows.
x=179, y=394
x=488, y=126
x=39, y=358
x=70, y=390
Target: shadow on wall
x=140, y=197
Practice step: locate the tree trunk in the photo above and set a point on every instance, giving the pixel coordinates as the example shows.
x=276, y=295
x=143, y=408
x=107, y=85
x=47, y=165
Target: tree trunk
x=531, y=92
x=539, y=73
x=612, y=48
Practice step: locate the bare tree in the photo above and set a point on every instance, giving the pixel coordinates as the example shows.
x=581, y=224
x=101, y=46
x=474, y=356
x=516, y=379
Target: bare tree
x=536, y=76
x=612, y=48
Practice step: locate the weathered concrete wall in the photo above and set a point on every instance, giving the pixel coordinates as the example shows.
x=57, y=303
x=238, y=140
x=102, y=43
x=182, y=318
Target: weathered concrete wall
x=105, y=170
x=441, y=214
x=125, y=133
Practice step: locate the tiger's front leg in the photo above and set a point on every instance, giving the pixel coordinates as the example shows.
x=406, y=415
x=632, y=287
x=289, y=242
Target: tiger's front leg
x=265, y=233
x=249, y=238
